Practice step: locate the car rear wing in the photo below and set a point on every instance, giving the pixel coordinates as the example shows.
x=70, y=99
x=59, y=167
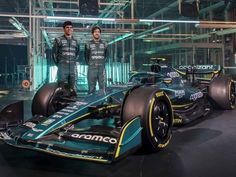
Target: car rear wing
x=192, y=72
x=200, y=69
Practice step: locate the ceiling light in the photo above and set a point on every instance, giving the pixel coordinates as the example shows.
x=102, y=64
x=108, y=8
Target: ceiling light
x=169, y=21
x=161, y=30
x=80, y=18
x=161, y=39
x=141, y=36
x=125, y=36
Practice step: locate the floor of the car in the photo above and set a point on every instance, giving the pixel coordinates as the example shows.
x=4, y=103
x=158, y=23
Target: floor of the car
x=206, y=147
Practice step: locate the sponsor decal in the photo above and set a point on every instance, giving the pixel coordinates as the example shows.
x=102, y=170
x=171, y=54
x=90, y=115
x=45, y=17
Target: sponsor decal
x=97, y=57
x=63, y=113
x=99, y=138
x=203, y=67
x=75, y=155
x=68, y=53
x=36, y=129
x=47, y=122
x=97, y=52
x=29, y=124
x=172, y=74
x=64, y=41
x=72, y=107
x=69, y=127
x=164, y=66
x=57, y=116
x=101, y=46
x=74, y=43
x=79, y=103
x=30, y=134
x=67, y=110
x=179, y=93
x=177, y=121
x=92, y=45
x=195, y=96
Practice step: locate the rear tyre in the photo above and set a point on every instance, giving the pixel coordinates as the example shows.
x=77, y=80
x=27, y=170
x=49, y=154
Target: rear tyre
x=154, y=108
x=222, y=92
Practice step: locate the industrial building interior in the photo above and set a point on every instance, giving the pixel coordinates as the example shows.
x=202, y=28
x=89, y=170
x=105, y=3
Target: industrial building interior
x=184, y=32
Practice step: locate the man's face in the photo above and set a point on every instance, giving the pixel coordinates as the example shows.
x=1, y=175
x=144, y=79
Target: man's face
x=96, y=34
x=68, y=30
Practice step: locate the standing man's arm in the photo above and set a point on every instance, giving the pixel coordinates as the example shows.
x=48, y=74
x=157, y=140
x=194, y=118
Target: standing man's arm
x=106, y=52
x=86, y=53
x=77, y=52
x=55, y=50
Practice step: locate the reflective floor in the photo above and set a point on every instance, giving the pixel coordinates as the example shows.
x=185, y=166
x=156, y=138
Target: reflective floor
x=205, y=148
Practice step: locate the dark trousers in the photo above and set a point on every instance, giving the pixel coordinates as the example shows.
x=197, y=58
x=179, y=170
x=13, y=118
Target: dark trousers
x=96, y=74
x=66, y=74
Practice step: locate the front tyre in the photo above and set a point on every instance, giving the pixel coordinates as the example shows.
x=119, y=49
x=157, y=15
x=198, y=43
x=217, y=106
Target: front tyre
x=43, y=102
x=154, y=108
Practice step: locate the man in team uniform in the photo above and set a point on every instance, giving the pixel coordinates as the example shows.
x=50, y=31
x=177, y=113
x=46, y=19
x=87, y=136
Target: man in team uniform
x=95, y=57
x=65, y=55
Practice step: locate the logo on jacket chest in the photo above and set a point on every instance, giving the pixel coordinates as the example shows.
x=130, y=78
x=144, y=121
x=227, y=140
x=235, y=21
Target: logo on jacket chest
x=98, y=46
x=68, y=43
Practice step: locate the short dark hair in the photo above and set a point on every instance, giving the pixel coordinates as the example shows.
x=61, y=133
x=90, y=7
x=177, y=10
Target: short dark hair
x=66, y=23
x=94, y=28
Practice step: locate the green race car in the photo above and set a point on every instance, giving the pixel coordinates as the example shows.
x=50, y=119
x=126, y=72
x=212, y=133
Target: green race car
x=110, y=124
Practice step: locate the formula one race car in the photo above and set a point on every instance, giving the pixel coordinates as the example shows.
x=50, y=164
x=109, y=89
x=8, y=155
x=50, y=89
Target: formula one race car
x=193, y=90
x=100, y=127
x=109, y=124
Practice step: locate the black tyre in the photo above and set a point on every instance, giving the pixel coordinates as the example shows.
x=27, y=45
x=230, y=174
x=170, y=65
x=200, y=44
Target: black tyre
x=155, y=110
x=222, y=92
x=43, y=101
